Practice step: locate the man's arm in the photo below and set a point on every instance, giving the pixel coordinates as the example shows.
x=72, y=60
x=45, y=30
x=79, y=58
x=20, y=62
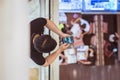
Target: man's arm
x=77, y=20
x=49, y=59
x=52, y=26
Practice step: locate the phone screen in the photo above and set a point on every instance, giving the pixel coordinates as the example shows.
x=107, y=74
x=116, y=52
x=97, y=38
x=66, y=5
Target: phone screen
x=67, y=40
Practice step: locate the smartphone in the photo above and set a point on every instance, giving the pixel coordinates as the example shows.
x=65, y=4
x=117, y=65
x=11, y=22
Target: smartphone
x=68, y=40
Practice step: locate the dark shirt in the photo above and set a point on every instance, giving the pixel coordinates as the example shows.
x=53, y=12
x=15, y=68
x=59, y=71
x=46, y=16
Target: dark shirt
x=38, y=28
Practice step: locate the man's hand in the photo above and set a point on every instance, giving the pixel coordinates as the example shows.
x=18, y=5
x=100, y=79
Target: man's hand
x=64, y=46
x=64, y=35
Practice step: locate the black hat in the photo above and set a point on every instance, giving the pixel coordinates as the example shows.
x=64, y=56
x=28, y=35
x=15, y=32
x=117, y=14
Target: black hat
x=44, y=43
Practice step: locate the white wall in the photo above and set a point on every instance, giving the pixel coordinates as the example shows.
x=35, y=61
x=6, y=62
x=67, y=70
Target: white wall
x=14, y=40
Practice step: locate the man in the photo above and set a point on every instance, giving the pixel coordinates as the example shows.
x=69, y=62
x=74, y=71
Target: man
x=44, y=43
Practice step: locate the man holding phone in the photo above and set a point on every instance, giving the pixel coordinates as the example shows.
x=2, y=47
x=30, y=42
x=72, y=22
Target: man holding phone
x=41, y=43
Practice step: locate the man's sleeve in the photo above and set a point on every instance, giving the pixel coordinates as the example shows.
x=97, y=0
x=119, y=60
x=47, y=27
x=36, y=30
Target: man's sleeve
x=38, y=58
